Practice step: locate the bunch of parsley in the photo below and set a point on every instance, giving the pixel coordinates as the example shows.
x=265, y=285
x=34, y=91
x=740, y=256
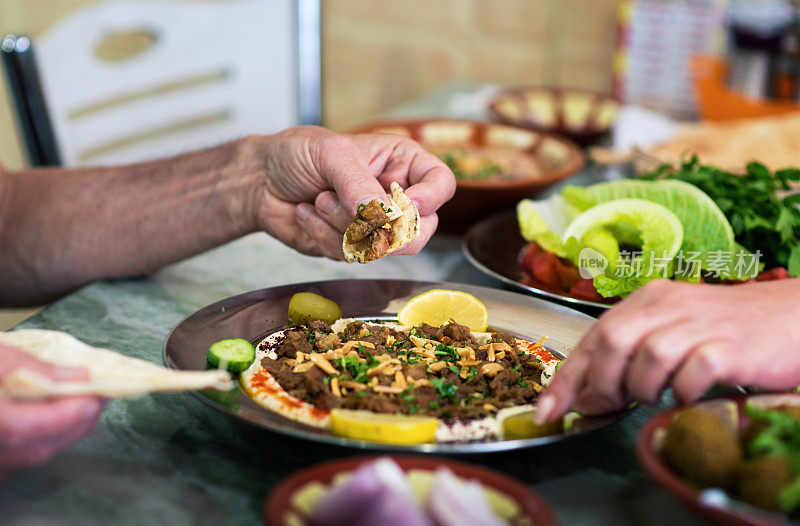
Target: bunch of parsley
x=761, y=219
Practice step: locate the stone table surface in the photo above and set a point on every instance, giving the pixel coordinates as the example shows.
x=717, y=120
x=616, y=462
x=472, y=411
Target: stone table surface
x=168, y=459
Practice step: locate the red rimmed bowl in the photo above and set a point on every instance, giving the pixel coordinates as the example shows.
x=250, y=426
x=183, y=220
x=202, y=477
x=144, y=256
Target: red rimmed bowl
x=582, y=115
x=280, y=508
x=648, y=446
x=531, y=161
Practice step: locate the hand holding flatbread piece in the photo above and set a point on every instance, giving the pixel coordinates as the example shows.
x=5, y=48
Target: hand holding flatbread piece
x=110, y=374
x=377, y=230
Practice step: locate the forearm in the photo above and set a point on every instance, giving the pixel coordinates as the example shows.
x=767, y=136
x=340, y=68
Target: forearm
x=61, y=228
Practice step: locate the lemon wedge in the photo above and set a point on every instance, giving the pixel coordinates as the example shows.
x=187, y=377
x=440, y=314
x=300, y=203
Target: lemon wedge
x=438, y=306
x=522, y=426
x=384, y=428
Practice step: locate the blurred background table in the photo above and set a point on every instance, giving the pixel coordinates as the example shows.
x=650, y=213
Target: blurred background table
x=168, y=459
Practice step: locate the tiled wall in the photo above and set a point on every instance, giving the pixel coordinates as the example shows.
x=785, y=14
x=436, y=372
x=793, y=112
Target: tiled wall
x=378, y=53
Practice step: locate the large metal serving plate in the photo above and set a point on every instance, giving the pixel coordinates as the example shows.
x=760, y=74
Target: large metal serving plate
x=255, y=314
x=493, y=246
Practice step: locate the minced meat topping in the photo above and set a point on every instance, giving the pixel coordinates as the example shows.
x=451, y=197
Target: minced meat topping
x=436, y=371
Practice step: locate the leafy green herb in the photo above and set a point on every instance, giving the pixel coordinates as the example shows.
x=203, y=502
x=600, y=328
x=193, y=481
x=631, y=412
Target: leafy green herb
x=408, y=394
x=360, y=208
x=453, y=368
x=433, y=405
x=761, y=220
x=361, y=394
x=454, y=161
x=523, y=384
x=357, y=369
x=780, y=438
x=448, y=352
x=445, y=389
x=223, y=308
x=471, y=373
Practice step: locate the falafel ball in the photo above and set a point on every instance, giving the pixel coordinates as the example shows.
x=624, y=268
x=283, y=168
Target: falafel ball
x=760, y=481
x=702, y=448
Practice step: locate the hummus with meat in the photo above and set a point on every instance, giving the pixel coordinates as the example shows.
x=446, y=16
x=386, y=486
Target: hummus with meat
x=469, y=381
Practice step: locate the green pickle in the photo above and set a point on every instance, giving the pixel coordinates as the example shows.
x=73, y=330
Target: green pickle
x=305, y=307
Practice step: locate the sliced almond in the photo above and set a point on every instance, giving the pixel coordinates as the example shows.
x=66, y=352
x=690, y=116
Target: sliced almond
x=320, y=361
x=490, y=369
x=386, y=389
x=335, y=387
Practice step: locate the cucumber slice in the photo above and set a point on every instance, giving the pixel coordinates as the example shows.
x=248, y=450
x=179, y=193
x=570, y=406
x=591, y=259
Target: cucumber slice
x=236, y=353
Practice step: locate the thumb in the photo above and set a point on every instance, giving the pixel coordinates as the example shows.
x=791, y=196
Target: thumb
x=347, y=171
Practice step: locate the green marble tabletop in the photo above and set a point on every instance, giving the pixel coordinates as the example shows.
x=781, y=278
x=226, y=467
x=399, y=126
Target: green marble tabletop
x=168, y=459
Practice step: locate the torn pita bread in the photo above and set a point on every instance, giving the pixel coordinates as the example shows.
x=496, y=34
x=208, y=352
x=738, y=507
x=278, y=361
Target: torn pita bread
x=111, y=374
x=403, y=224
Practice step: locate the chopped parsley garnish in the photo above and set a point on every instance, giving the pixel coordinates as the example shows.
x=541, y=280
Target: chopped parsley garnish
x=361, y=394
x=445, y=389
x=523, y=384
x=433, y=405
x=454, y=369
x=448, y=352
x=360, y=208
x=357, y=369
x=471, y=373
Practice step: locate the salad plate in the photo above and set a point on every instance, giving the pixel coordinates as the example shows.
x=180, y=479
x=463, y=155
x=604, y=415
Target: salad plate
x=495, y=247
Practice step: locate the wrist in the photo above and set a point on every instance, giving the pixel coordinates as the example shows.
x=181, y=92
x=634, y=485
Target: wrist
x=245, y=175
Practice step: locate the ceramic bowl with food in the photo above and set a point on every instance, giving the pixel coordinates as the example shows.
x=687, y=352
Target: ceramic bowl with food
x=733, y=459
x=403, y=490
x=583, y=116
x=495, y=165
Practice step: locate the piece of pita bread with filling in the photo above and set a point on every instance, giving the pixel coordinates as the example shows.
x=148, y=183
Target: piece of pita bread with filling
x=378, y=230
x=110, y=374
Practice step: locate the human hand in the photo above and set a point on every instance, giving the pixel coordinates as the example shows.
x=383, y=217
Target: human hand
x=33, y=431
x=315, y=180
x=685, y=336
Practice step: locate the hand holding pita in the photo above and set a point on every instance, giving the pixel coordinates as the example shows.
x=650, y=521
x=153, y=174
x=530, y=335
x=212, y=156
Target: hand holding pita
x=32, y=431
x=315, y=180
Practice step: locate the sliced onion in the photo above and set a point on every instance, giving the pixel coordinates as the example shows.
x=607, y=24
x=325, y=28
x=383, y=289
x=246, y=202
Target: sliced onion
x=377, y=493
x=455, y=503
x=393, y=509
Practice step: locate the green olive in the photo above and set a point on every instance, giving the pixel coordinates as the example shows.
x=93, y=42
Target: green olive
x=305, y=307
